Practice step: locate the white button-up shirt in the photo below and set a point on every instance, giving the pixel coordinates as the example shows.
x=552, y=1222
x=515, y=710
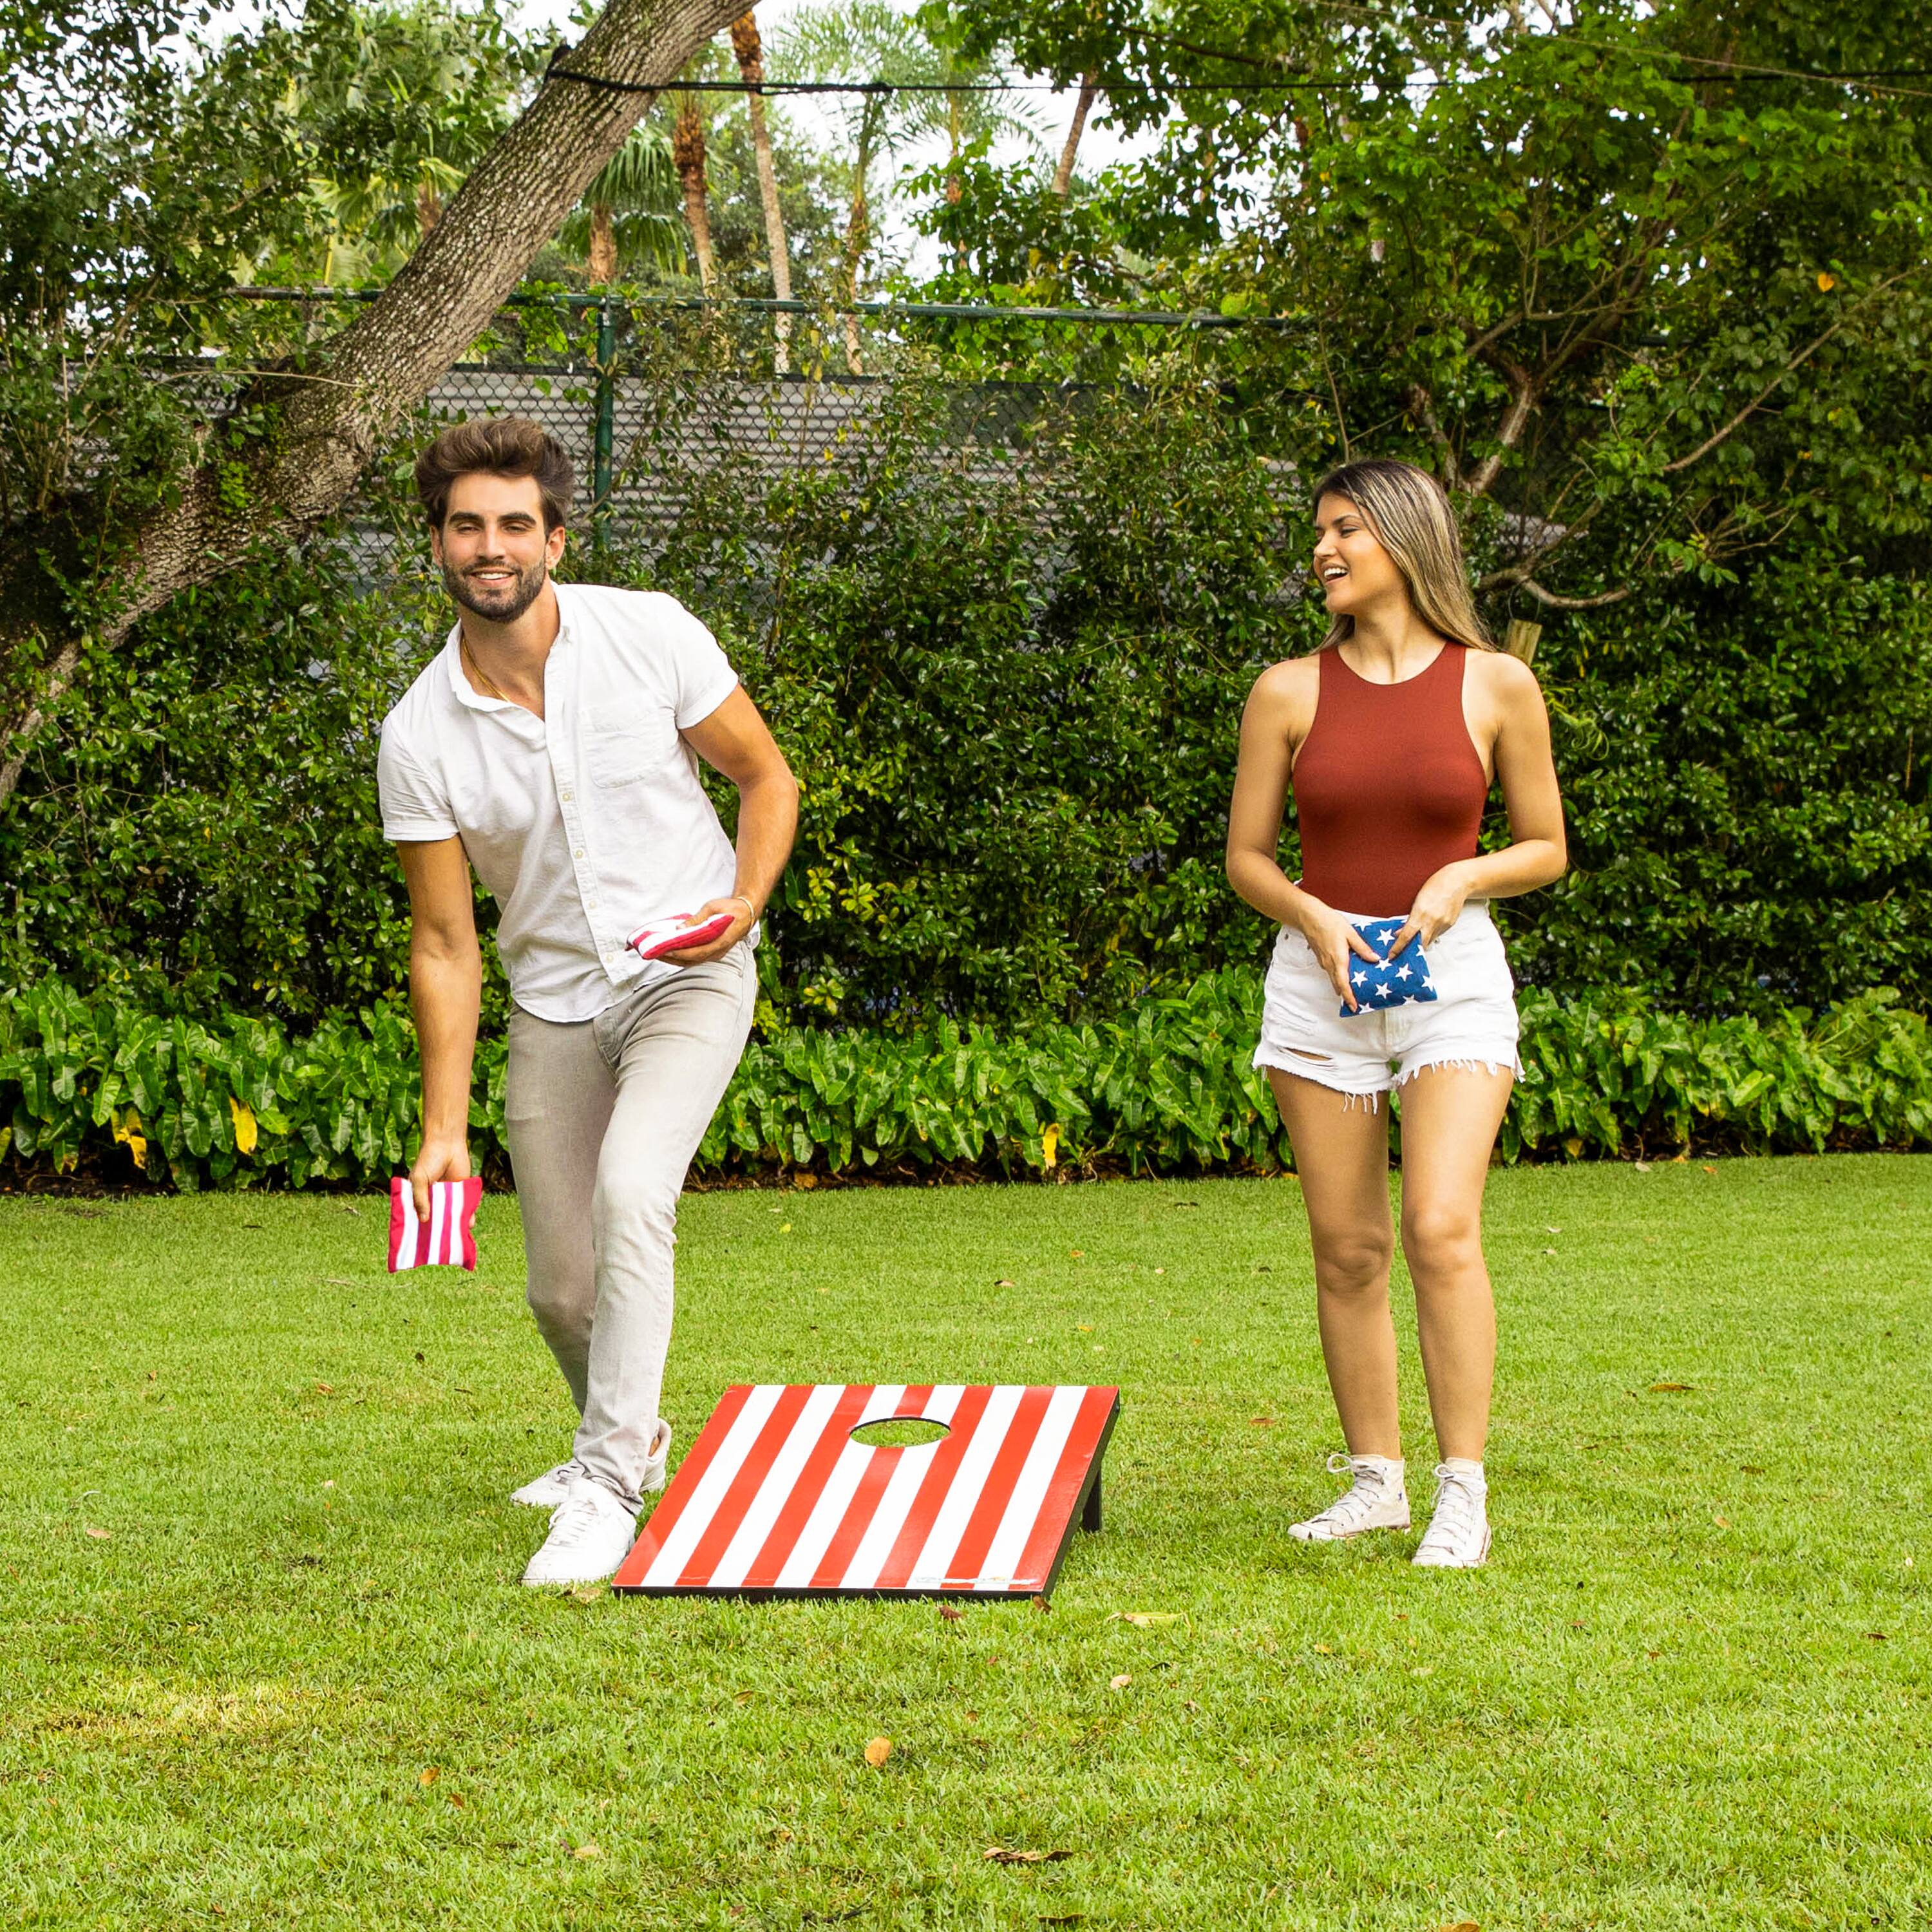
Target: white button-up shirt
x=583, y=823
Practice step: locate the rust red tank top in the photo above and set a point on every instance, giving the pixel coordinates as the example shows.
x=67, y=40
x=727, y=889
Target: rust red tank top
x=1387, y=786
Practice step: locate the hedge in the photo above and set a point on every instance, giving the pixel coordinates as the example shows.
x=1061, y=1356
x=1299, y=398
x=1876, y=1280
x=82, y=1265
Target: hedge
x=1171, y=1092
x=1012, y=700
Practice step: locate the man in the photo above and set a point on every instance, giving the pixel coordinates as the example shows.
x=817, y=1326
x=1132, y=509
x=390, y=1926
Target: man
x=552, y=744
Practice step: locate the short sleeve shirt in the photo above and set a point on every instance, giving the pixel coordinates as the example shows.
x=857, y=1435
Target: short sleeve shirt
x=588, y=822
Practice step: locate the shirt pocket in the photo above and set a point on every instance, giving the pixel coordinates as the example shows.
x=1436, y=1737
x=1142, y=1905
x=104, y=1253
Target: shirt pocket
x=626, y=751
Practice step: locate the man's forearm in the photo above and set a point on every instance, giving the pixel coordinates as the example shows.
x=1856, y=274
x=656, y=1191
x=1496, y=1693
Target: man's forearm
x=445, y=994
x=767, y=823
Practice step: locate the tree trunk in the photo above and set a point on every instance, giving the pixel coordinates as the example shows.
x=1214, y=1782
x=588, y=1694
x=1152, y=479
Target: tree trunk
x=1063, y=175
x=856, y=228
x=247, y=490
x=746, y=45
x=600, y=262
x=687, y=150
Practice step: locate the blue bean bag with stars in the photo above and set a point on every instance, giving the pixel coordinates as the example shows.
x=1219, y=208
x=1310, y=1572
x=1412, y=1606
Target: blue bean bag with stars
x=1383, y=982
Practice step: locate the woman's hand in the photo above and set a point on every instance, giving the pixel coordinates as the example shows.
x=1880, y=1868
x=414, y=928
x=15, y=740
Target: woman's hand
x=1334, y=942
x=444, y=1158
x=743, y=918
x=1438, y=906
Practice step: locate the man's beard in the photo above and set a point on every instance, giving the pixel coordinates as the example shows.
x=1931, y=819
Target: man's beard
x=500, y=603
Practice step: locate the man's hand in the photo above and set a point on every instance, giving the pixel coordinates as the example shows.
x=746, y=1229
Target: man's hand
x=438, y=1160
x=743, y=919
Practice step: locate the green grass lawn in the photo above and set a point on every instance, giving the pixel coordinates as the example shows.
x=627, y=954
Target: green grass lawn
x=264, y=1657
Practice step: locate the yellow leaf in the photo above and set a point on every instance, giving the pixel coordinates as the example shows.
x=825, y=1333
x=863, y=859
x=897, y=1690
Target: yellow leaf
x=244, y=1125
x=1119, y=1683
x=1827, y=282
x=1049, y=1144
x=127, y=1131
x=430, y=1777
x=589, y=1849
x=878, y=1751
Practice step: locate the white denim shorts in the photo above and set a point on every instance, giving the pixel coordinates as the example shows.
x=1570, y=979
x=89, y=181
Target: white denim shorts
x=1472, y=1021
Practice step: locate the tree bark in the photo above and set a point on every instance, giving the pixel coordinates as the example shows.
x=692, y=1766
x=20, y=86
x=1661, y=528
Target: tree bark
x=687, y=152
x=325, y=421
x=601, y=260
x=751, y=53
x=857, y=232
x=1063, y=175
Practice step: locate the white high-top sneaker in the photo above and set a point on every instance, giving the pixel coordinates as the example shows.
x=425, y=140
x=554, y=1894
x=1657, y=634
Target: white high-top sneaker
x=548, y=1490
x=590, y=1534
x=1458, y=1536
x=1377, y=1501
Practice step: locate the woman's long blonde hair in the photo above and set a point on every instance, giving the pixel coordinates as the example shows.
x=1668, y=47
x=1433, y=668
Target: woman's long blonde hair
x=1409, y=512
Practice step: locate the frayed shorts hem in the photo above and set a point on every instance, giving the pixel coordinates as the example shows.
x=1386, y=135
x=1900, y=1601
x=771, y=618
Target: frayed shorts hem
x=1470, y=1058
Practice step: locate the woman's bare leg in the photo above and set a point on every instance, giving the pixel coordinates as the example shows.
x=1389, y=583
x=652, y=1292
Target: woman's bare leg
x=1341, y=1158
x=1450, y=1116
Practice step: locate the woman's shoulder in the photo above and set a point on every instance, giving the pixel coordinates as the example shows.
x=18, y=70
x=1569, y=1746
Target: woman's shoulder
x=1502, y=677
x=1291, y=679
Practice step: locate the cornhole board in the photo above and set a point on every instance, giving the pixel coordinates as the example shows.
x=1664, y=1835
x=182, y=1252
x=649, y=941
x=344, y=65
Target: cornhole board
x=775, y=1498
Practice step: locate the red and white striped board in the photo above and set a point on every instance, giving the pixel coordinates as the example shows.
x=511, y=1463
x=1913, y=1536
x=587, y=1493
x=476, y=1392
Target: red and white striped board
x=448, y=1238
x=775, y=1498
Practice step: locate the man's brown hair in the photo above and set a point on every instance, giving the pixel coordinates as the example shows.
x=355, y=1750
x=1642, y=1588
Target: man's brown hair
x=500, y=446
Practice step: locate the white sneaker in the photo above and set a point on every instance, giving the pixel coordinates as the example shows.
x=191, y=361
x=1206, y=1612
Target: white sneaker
x=547, y=1491
x=590, y=1534
x=1458, y=1537
x=1377, y=1501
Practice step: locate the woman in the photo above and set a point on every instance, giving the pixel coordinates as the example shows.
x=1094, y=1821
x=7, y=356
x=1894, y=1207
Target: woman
x=1391, y=735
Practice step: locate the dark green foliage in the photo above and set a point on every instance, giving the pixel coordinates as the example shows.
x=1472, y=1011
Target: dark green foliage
x=1170, y=1092
x=1012, y=695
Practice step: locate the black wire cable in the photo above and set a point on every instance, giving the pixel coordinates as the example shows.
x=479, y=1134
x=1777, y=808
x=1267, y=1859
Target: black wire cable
x=611, y=85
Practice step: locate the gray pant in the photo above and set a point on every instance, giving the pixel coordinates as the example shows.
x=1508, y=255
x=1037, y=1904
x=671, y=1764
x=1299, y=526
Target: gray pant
x=604, y=1116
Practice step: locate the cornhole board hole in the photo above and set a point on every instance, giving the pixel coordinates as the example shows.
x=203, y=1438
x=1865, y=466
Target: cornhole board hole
x=778, y=1498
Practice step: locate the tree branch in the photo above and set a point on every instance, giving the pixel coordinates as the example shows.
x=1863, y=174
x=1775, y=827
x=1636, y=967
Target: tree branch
x=1523, y=392
x=325, y=422
x=1803, y=355
x=1422, y=407
x=1556, y=603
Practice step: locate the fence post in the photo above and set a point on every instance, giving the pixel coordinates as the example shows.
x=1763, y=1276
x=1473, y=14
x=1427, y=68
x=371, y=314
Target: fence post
x=606, y=429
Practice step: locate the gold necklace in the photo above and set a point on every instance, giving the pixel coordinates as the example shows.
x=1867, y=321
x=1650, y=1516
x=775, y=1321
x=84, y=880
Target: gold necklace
x=477, y=673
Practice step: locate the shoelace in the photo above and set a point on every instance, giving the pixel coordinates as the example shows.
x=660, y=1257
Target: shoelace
x=1371, y=1486
x=575, y=1518
x=1459, y=1501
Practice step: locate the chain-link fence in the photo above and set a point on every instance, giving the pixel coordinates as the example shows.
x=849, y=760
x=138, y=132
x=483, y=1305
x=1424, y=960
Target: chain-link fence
x=658, y=400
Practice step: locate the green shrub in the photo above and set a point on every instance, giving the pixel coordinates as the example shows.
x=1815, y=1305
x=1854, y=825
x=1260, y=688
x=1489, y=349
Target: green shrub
x=1169, y=1092
x=1011, y=696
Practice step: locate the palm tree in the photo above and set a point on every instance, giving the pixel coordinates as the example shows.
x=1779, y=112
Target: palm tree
x=688, y=154
x=751, y=54
x=867, y=39
x=627, y=218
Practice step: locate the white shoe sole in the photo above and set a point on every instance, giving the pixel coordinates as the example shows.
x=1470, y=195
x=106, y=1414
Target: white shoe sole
x=1309, y=1532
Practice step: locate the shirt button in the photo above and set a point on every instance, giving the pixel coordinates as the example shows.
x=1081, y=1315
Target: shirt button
x=566, y=796
x=580, y=851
